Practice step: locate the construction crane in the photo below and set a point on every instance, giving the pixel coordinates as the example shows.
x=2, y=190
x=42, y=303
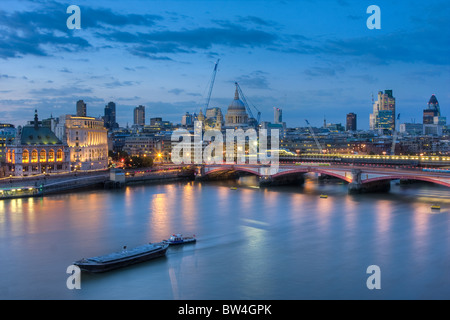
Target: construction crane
x=247, y=106
x=213, y=78
x=394, y=138
x=314, y=136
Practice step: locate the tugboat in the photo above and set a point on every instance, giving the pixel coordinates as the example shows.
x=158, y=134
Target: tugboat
x=323, y=196
x=180, y=239
x=436, y=207
x=122, y=259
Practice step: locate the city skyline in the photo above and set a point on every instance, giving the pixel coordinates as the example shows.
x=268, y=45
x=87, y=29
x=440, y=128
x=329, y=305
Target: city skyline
x=310, y=60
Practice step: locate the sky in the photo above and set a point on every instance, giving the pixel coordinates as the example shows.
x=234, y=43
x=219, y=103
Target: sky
x=312, y=59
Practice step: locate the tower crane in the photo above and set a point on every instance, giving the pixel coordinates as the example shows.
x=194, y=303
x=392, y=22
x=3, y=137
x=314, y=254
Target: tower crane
x=213, y=78
x=247, y=106
x=314, y=136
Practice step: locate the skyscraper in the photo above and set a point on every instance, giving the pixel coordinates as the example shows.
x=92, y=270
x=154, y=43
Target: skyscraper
x=81, y=108
x=139, y=116
x=277, y=115
x=110, y=116
x=432, y=115
x=383, y=116
x=351, y=122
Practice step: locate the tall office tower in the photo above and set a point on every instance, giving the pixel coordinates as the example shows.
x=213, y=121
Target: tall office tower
x=139, y=116
x=383, y=116
x=187, y=119
x=110, y=116
x=81, y=108
x=277, y=115
x=432, y=115
x=351, y=122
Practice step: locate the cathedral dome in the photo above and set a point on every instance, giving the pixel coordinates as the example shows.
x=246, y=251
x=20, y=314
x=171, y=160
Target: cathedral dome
x=237, y=103
x=236, y=113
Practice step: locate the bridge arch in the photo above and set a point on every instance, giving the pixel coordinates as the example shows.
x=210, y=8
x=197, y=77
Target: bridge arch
x=419, y=178
x=224, y=169
x=348, y=179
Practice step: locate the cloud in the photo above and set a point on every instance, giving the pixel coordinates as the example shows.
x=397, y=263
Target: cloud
x=99, y=17
x=65, y=70
x=157, y=44
x=43, y=31
x=176, y=91
x=5, y=76
x=320, y=72
x=257, y=21
x=117, y=84
x=59, y=92
x=254, y=80
x=409, y=47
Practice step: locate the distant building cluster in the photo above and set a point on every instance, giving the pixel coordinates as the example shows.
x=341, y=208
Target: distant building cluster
x=72, y=142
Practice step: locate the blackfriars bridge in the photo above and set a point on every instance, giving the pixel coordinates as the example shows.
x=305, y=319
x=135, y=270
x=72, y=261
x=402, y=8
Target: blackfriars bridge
x=360, y=178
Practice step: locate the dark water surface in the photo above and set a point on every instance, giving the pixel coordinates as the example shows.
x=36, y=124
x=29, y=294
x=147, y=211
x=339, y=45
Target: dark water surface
x=278, y=243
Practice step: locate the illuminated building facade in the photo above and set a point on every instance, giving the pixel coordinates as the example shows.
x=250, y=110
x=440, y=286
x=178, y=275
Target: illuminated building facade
x=383, y=116
x=87, y=140
x=236, y=115
x=36, y=150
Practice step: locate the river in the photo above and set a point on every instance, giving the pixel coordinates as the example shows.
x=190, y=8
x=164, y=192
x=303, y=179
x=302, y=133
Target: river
x=281, y=243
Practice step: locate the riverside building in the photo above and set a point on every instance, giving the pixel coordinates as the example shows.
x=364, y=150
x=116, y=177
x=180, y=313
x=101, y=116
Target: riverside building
x=36, y=150
x=87, y=140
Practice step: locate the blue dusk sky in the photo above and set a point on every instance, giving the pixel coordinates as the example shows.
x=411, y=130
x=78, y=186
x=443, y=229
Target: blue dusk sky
x=313, y=59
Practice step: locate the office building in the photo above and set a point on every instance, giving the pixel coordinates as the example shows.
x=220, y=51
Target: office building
x=432, y=114
x=412, y=129
x=86, y=139
x=383, y=116
x=277, y=115
x=139, y=116
x=81, y=108
x=351, y=122
x=110, y=116
x=187, y=120
x=7, y=136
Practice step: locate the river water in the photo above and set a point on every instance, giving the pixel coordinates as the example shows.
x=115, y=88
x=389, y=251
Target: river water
x=281, y=243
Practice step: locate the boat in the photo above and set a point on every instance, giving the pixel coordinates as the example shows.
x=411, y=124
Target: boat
x=123, y=258
x=323, y=196
x=233, y=188
x=180, y=239
x=436, y=207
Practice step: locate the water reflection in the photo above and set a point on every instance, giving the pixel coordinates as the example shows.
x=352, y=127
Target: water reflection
x=276, y=243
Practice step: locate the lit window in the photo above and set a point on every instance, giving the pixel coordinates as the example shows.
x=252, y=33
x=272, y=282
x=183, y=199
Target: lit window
x=34, y=156
x=25, y=156
x=51, y=155
x=59, y=155
x=42, y=156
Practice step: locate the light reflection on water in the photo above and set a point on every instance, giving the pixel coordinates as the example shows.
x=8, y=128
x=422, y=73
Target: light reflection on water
x=253, y=243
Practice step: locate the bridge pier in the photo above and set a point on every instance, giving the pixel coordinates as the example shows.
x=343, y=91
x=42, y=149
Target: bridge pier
x=199, y=173
x=356, y=186
x=375, y=186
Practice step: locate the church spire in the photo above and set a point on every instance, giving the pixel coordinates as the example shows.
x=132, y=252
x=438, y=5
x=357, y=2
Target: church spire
x=36, y=125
